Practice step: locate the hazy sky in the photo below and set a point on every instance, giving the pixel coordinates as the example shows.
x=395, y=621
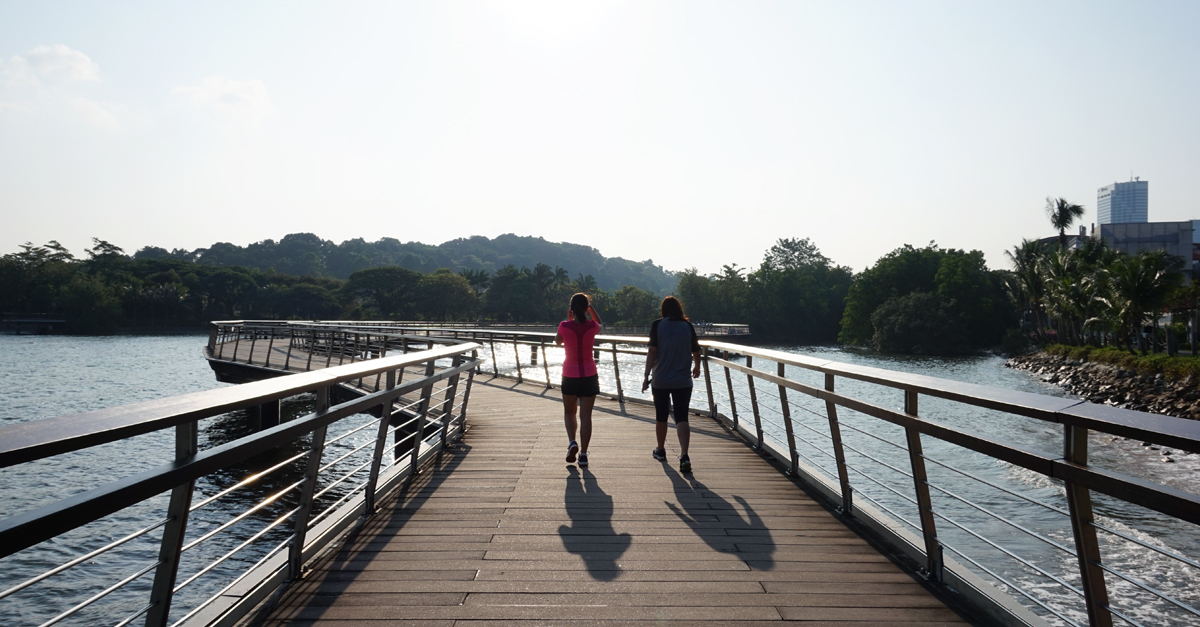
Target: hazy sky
x=691, y=133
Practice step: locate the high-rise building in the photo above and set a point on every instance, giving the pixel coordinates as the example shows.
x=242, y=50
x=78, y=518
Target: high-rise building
x=1123, y=203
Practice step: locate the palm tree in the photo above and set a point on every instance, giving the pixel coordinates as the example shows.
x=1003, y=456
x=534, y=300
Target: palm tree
x=1139, y=287
x=1026, y=259
x=1062, y=214
x=561, y=276
x=586, y=284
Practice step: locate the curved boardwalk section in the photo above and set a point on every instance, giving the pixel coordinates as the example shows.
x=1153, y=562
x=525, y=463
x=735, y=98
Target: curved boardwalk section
x=502, y=531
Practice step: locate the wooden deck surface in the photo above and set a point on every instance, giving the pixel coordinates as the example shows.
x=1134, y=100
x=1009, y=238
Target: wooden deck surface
x=503, y=531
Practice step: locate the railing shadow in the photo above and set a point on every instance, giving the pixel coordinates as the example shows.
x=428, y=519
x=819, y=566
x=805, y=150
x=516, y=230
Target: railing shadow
x=697, y=503
x=591, y=534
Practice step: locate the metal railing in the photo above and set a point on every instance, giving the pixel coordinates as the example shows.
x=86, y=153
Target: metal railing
x=224, y=527
x=912, y=478
x=906, y=458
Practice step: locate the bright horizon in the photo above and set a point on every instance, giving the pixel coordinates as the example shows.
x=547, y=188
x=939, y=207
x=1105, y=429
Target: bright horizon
x=692, y=134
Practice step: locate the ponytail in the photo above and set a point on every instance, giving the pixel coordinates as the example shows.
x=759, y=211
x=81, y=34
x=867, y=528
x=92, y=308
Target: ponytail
x=579, y=307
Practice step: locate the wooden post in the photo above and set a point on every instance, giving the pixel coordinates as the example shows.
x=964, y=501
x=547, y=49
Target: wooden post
x=422, y=418
x=253, y=339
x=1087, y=547
x=448, y=402
x=385, y=415
x=312, y=346
x=546, y=366
x=916, y=457
x=517, y=356
x=495, y=366
x=287, y=361
x=729, y=386
x=712, y=403
x=787, y=423
x=839, y=452
x=462, y=411
x=237, y=340
x=617, y=376
x=270, y=347
x=304, y=509
x=754, y=403
x=162, y=592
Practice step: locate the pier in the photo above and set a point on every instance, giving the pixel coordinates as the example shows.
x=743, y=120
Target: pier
x=426, y=485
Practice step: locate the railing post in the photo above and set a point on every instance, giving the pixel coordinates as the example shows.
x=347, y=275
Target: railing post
x=754, y=403
x=385, y=416
x=839, y=452
x=222, y=336
x=712, y=403
x=517, y=355
x=786, y=409
x=916, y=457
x=237, y=339
x=729, y=386
x=495, y=366
x=253, y=340
x=329, y=349
x=304, y=508
x=422, y=418
x=270, y=347
x=462, y=412
x=186, y=445
x=617, y=376
x=546, y=365
x=1087, y=547
x=212, y=339
x=448, y=404
x=312, y=346
x=287, y=362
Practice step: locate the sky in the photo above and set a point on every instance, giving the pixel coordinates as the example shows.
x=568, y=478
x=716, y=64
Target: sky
x=694, y=134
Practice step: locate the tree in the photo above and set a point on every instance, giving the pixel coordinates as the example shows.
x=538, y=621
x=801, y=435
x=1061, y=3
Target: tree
x=1062, y=214
x=1027, y=259
x=388, y=291
x=635, y=306
x=792, y=254
x=444, y=295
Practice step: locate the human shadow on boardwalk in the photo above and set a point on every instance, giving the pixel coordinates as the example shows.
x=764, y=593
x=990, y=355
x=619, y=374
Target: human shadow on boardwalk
x=718, y=522
x=591, y=534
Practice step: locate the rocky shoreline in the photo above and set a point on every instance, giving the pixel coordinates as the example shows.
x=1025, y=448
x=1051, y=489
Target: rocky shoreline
x=1110, y=385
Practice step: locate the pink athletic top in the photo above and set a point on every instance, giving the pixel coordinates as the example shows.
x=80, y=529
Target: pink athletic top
x=578, y=341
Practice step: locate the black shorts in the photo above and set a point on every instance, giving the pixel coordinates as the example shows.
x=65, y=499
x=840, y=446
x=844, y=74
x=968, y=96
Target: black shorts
x=581, y=386
x=671, y=402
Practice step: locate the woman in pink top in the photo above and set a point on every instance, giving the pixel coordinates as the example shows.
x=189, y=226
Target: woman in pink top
x=580, y=383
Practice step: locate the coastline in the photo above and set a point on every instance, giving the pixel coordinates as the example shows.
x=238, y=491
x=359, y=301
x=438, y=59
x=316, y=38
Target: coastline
x=1112, y=385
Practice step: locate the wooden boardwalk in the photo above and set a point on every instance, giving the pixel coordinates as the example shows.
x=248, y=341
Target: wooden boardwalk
x=503, y=531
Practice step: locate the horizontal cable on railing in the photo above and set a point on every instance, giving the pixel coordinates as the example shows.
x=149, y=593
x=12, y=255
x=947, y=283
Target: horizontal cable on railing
x=82, y=558
x=343, y=478
x=270, y=554
x=1148, y=588
x=846, y=425
x=333, y=507
x=1011, y=585
x=240, y=517
x=369, y=423
x=100, y=595
x=347, y=454
x=877, y=461
x=889, y=510
x=1002, y=519
x=245, y=543
x=1010, y=554
x=134, y=616
x=999, y=487
x=1147, y=545
x=1120, y=615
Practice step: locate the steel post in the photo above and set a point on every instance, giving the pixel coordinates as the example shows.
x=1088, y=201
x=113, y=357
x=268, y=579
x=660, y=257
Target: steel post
x=162, y=592
x=307, y=490
x=754, y=403
x=839, y=452
x=1087, y=546
x=916, y=457
x=787, y=423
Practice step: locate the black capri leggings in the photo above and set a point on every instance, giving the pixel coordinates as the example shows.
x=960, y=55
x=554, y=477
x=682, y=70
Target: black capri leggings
x=667, y=398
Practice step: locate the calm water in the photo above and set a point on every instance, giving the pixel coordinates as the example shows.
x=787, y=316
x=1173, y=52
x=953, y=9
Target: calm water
x=50, y=376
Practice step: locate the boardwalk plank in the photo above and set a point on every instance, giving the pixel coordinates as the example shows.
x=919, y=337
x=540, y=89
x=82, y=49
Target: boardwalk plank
x=501, y=530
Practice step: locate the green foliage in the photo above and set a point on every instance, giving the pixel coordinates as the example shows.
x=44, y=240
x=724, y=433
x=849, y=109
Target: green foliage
x=635, y=306
x=444, y=295
x=918, y=323
x=966, y=306
x=385, y=293
x=1170, y=367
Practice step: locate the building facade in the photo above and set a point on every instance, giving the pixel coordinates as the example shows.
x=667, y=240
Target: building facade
x=1123, y=203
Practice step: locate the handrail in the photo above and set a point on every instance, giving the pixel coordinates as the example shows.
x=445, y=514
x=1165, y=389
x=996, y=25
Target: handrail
x=326, y=510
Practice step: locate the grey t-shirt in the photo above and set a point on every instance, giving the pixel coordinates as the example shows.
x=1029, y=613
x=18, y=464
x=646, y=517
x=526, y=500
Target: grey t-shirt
x=675, y=340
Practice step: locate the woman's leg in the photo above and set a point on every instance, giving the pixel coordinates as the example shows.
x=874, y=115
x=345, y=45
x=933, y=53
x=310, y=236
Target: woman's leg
x=585, y=421
x=680, y=400
x=662, y=411
x=570, y=403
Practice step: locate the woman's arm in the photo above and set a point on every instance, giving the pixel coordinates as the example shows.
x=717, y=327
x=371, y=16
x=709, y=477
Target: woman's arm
x=595, y=316
x=651, y=359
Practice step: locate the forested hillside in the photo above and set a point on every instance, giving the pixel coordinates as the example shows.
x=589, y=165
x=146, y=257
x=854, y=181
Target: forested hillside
x=305, y=254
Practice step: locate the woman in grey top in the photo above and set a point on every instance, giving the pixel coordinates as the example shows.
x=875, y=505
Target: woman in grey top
x=673, y=348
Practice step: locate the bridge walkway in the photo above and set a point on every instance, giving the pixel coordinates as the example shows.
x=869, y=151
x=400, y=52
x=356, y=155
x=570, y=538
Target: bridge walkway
x=501, y=531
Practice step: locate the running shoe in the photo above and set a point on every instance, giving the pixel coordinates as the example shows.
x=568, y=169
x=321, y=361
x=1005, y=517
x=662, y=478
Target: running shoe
x=659, y=454
x=583, y=459
x=685, y=464
x=572, y=448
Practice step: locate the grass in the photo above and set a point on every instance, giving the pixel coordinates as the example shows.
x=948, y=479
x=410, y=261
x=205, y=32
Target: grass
x=1170, y=367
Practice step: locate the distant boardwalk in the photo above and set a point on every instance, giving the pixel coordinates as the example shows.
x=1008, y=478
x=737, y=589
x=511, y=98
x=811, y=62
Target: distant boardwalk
x=502, y=530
